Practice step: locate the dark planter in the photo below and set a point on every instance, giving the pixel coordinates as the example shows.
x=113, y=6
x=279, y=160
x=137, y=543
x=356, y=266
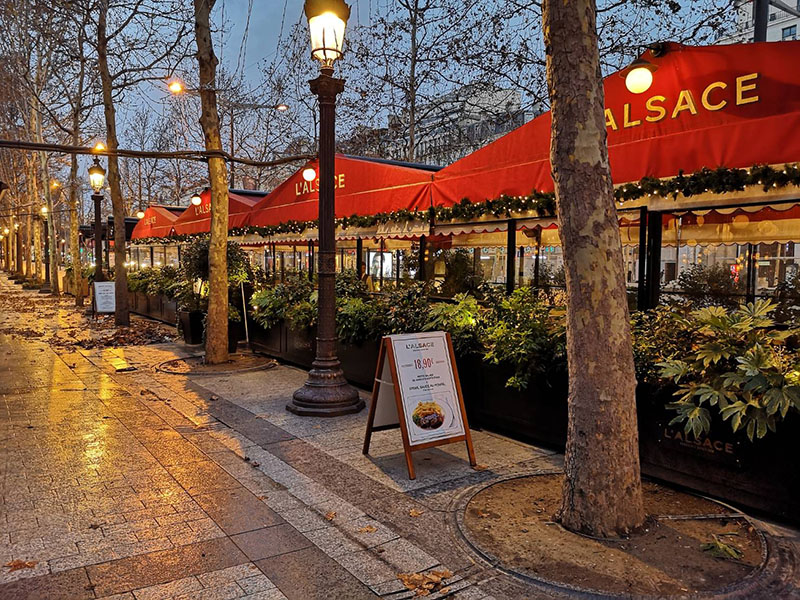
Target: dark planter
x=300, y=346
x=762, y=474
x=359, y=362
x=537, y=415
x=269, y=341
x=169, y=311
x=470, y=375
x=233, y=337
x=154, y=307
x=191, y=325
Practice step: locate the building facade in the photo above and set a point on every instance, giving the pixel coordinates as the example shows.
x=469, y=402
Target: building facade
x=782, y=26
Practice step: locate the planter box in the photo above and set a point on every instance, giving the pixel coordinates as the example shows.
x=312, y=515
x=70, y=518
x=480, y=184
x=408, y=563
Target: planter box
x=169, y=311
x=301, y=346
x=761, y=474
x=192, y=326
x=359, y=362
x=537, y=414
x=269, y=341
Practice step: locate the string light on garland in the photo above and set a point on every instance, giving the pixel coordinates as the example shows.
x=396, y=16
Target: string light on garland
x=718, y=181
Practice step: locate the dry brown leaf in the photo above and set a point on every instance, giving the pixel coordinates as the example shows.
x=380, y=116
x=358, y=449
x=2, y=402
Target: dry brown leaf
x=422, y=584
x=368, y=529
x=444, y=590
x=415, y=512
x=480, y=467
x=330, y=515
x=483, y=514
x=16, y=565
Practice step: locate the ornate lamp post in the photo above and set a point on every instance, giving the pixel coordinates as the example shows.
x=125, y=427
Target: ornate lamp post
x=326, y=393
x=97, y=177
x=46, y=289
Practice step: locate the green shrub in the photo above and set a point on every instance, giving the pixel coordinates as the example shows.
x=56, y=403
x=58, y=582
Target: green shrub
x=462, y=319
x=270, y=305
x=738, y=366
x=360, y=319
x=523, y=333
x=703, y=285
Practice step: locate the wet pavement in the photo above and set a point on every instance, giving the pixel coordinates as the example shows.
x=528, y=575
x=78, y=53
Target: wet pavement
x=139, y=484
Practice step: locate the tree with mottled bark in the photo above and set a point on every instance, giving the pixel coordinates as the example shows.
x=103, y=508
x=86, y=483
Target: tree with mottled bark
x=602, y=492
x=217, y=319
x=136, y=42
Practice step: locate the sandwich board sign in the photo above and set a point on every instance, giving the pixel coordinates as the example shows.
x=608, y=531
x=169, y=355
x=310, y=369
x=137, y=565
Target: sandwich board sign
x=104, y=297
x=417, y=389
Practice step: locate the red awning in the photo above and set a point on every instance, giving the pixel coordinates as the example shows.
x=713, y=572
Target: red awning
x=363, y=187
x=732, y=105
x=197, y=219
x=157, y=221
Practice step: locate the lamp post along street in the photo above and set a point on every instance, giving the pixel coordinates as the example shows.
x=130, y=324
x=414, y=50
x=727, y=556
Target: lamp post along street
x=326, y=393
x=97, y=175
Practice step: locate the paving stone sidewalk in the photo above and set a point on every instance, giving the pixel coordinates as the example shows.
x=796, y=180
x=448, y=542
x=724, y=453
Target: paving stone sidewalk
x=139, y=484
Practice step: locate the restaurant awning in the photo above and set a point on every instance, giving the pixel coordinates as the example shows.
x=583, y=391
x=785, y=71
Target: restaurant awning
x=158, y=221
x=364, y=186
x=732, y=105
x=197, y=219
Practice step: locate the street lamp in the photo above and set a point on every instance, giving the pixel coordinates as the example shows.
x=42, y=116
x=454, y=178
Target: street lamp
x=639, y=76
x=309, y=174
x=196, y=199
x=140, y=214
x=97, y=177
x=326, y=393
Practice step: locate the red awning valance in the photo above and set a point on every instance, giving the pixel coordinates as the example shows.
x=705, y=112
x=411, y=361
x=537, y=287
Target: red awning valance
x=157, y=221
x=363, y=187
x=197, y=219
x=732, y=105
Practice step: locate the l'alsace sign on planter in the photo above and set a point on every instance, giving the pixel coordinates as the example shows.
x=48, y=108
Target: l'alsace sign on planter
x=417, y=389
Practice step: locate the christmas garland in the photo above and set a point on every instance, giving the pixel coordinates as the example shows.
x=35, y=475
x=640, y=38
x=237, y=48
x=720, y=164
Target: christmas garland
x=717, y=181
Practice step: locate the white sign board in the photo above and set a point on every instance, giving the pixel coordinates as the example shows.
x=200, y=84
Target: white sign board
x=417, y=389
x=105, y=300
x=427, y=386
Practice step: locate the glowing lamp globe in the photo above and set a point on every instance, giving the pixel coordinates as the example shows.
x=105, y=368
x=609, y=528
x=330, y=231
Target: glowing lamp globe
x=176, y=86
x=639, y=77
x=196, y=200
x=44, y=211
x=309, y=174
x=140, y=214
x=327, y=20
x=97, y=176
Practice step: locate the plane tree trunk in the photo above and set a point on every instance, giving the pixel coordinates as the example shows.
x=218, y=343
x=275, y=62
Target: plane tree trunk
x=602, y=492
x=217, y=320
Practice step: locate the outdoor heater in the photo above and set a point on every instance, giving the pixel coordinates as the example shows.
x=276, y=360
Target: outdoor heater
x=326, y=393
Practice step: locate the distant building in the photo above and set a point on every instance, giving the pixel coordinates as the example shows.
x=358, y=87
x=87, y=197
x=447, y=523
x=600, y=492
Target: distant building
x=461, y=122
x=782, y=26
x=447, y=128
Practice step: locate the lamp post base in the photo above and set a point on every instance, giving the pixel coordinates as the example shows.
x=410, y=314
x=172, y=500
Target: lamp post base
x=325, y=393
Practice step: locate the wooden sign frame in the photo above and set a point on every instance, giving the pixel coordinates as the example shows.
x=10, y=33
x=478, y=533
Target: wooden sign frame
x=385, y=353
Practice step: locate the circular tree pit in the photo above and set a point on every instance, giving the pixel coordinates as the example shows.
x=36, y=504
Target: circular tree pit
x=689, y=544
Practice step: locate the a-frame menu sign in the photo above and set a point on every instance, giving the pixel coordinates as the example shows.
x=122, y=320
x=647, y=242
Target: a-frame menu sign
x=417, y=389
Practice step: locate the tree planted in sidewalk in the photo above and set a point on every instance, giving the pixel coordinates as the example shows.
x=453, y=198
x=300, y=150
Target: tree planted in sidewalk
x=217, y=320
x=602, y=492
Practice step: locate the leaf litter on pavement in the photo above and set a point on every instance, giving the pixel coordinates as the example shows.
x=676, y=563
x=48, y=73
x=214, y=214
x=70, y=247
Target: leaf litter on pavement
x=423, y=584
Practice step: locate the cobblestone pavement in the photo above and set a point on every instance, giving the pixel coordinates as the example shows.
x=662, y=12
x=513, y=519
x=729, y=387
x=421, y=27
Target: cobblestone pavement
x=143, y=485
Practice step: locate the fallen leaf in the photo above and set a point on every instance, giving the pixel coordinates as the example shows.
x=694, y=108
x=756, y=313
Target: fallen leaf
x=444, y=590
x=16, y=565
x=415, y=512
x=483, y=514
x=422, y=584
x=330, y=515
x=480, y=467
x=719, y=549
x=368, y=529
x=255, y=464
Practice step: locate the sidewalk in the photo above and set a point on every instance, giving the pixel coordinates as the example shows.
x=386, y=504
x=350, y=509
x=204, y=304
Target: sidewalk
x=146, y=485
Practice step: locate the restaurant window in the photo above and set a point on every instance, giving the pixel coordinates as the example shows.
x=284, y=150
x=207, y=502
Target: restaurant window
x=171, y=256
